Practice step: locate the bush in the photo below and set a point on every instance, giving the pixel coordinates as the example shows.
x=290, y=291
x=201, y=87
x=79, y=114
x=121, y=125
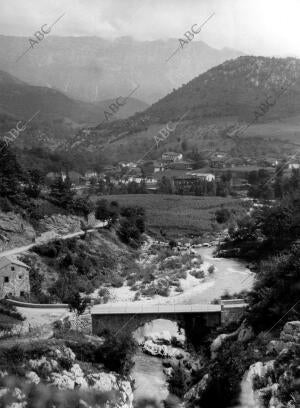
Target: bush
x=65, y=363
x=5, y=205
x=171, y=263
x=116, y=353
x=128, y=232
x=197, y=274
x=117, y=281
x=222, y=215
x=162, y=288
x=172, y=244
x=211, y=269
x=82, y=206
x=6, y=308
x=48, y=250
x=178, y=381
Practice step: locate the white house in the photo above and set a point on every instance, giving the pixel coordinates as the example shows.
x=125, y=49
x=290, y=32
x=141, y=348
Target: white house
x=203, y=176
x=171, y=157
x=294, y=166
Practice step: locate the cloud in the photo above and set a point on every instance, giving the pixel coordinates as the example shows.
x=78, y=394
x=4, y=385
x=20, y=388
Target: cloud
x=267, y=27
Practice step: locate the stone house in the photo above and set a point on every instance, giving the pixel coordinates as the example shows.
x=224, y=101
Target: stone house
x=14, y=277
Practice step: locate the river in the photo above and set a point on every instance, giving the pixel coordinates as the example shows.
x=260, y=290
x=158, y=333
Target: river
x=230, y=275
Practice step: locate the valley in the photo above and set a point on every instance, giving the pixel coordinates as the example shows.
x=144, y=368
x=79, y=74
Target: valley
x=150, y=206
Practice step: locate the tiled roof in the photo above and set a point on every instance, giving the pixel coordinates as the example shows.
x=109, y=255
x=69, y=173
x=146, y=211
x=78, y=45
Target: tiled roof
x=8, y=260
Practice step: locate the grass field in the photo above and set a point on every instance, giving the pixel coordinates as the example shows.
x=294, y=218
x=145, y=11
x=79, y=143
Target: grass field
x=179, y=215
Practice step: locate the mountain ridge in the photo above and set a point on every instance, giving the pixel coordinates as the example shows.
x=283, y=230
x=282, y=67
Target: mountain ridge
x=91, y=68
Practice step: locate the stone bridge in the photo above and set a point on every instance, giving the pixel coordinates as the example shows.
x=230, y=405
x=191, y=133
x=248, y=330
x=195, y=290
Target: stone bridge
x=116, y=317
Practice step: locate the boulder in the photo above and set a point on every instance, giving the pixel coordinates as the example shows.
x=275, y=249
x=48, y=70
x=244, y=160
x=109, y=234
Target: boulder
x=260, y=369
x=275, y=346
x=245, y=334
x=161, y=350
x=15, y=231
x=163, y=337
x=291, y=332
x=168, y=371
x=33, y=377
x=198, y=389
x=62, y=381
x=109, y=382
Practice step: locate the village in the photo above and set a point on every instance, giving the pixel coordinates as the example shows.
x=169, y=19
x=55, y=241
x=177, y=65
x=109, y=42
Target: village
x=219, y=174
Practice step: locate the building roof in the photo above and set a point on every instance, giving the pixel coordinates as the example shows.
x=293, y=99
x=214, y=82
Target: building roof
x=8, y=260
x=198, y=174
x=172, y=154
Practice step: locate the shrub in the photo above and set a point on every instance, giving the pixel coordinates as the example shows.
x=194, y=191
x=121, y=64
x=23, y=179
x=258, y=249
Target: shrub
x=197, y=274
x=116, y=353
x=49, y=250
x=222, y=215
x=82, y=206
x=175, y=342
x=6, y=308
x=117, y=281
x=172, y=244
x=5, y=205
x=65, y=363
x=128, y=231
x=178, y=381
x=171, y=263
x=211, y=269
x=104, y=294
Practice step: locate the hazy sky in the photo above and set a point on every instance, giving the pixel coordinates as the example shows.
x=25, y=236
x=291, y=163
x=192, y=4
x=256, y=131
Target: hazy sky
x=264, y=27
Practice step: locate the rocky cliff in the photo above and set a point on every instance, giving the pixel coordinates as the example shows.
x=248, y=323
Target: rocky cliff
x=70, y=378
x=271, y=380
x=14, y=231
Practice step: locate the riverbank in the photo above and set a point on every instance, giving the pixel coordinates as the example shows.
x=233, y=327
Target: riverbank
x=228, y=276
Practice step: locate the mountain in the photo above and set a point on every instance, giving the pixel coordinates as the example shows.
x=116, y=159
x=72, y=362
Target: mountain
x=21, y=100
x=224, y=95
x=92, y=68
x=235, y=88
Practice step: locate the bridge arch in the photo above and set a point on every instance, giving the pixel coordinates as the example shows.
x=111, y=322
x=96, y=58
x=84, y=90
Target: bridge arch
x=119, y=317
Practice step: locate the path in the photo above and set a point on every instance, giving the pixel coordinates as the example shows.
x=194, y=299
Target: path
x=26, y=248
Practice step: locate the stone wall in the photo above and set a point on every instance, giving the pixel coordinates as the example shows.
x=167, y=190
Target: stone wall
x=232, y=311
x=18, y=280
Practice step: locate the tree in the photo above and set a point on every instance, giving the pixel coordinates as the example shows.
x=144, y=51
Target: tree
x=132, y=187
x=34, y=183
x=117, y=352
x=61, y=192
x=11, y=174
x=165, y=185
x=184, y=145
x=147, y=168
x=172, y=244
x=275, y=296
x=65, y=286
x=102, y=212
x=128, y=232
x=178, y=381
x=82, y=206
x=222, y=215
x=276, y=223
x=77, y=304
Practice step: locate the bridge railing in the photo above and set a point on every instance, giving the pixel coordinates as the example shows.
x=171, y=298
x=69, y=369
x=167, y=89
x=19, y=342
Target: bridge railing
x=144, y=308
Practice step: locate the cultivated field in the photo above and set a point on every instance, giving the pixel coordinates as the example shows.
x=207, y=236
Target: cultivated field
x=179, y=215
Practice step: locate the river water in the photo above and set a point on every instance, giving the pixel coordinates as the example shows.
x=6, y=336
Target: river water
x=230, y=275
